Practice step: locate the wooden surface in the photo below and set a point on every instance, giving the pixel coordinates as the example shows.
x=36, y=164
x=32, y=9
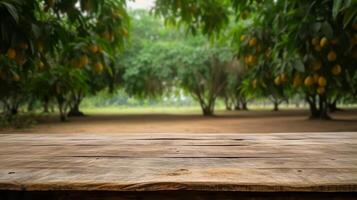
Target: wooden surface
x=172, y=195
x=306, y=162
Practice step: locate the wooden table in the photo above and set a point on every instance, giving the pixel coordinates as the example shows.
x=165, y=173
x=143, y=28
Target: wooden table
x=289, y=162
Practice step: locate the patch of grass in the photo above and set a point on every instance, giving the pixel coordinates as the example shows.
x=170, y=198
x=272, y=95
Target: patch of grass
x=170, y=110
x=142, y=110
x=162, y=110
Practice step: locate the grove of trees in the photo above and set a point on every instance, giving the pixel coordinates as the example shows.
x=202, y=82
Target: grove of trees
x=57, y=52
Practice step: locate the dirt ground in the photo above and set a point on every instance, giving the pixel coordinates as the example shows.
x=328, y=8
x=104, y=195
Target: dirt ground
x=224, y=122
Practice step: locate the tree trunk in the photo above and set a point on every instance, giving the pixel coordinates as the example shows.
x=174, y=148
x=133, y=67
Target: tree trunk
x=45, y=105
x=276, y=106
x=244, y=105
x=76, y=100
x=75, y=112
x=228, y=108
x=207, y=111
x=313, y=108
x=63, y=117
x=61, y=108
x=332, y=106
x=323, y=105
x=228, y=104
x=314, y=112
x=237, y=104
x=318, y=109
x=30, y=105
x=243, y=101
x=14, y=111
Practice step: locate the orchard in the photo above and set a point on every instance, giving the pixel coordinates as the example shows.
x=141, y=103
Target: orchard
x=178, y=99
x=58, y=52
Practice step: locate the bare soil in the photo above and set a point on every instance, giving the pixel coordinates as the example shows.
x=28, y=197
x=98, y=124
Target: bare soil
x=224, y=122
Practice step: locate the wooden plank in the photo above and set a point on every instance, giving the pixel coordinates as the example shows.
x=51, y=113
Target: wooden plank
x=175, y=195
x=310, y=162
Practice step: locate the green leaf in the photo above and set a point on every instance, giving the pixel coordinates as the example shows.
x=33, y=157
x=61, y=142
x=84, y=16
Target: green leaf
x=348, y=16
x=12, y=10
x=299, y=65
x=36, y=30
x=337, y=4
x=327, y=29
x=316, y=27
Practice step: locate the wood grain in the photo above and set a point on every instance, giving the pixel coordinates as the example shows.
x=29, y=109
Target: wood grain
x=293, y=162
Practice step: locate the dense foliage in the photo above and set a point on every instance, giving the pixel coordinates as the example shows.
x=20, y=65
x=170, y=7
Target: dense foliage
x=58, y=51
x=168, y=61
x=305, y=47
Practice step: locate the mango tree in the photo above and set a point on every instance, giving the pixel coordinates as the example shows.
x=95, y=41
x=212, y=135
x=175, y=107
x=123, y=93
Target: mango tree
x=148, y=62
x=202, y=72
x=52, y=36
x=233, y=94
x=313, y=41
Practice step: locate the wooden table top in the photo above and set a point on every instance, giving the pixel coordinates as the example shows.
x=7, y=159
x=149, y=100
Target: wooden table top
x=316, y=162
